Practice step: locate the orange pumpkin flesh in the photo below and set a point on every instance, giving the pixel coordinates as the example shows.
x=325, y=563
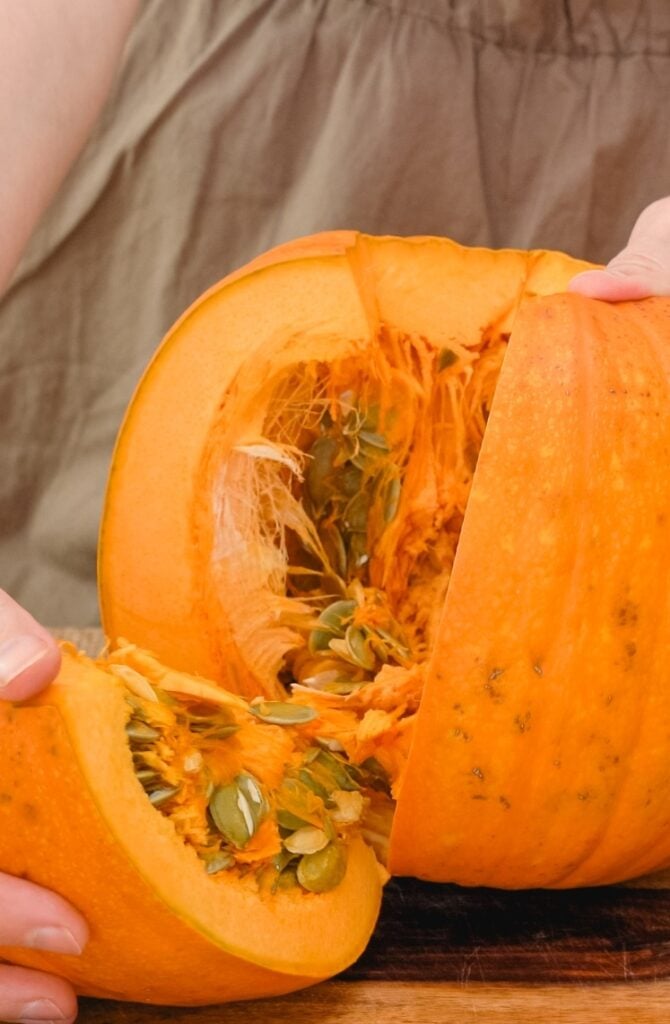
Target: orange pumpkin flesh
x=538, y=753
x=163, y=931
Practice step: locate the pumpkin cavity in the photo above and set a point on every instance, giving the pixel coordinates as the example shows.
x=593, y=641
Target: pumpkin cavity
x=338, y=514
x=253, y=788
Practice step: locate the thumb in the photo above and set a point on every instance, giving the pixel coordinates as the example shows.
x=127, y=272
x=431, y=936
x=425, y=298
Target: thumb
x=639, y=270
x=29, y=656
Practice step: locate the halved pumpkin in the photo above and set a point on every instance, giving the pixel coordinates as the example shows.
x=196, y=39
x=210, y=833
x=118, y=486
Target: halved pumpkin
x=388, y=482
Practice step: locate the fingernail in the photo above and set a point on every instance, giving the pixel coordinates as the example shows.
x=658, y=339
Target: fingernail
x=18, y=654
x=53, y=939
x=42, y=1010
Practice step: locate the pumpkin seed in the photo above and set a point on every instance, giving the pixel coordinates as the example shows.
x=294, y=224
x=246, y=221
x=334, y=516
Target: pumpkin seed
x=306, y=840
x=231, y=812
x=355, y=516
x=391, y=499
x=334, y=548
x=373, y=440
x=252, y=790
x=331, y=623
x=348, y=806
x=161, y=796
x=323, y=870
x=291, y=822
x=338, y=769
x=319, y=470
x=140, y=732
x=359, y=648
x=286, y=879
x=219, y=862
x=308, y=780
x=146, y=776
x=276, y=712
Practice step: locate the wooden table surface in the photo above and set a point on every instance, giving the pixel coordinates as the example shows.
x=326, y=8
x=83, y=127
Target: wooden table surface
x=443, y=954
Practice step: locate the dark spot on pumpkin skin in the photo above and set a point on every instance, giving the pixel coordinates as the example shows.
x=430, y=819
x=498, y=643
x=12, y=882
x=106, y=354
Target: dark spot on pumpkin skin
x=479, y=796
x=30, y=812
x=556, y=764
x=631, y=649
x=478, y=773
x=6, y=798
x=495, y=695
x=584, y=795
x=505, y=802
x=495, y=673
x=627, y=614
x=522, y=722
x=537, y=669
x=608, y=699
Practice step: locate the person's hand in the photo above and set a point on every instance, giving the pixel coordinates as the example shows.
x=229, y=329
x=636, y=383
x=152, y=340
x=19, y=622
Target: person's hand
x=639, y=270
x=30, y=916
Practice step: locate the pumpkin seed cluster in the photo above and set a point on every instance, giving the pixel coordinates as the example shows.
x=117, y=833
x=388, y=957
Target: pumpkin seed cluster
x=317, y=802
x=351, y=492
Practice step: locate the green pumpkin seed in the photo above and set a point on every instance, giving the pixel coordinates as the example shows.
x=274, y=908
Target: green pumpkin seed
x=308, y=780
x=276, y=712
x=359, y=649
x=140, y=732
x=373, y=440
x=219, y=862
x=306, y=840
x=232, y=814
x=334, y=547
x=391, y=499
x=355, y=516
x=323, y=870
x=286, y=879
x=161, y=796
x=350, y=480
x=289, y=821
x=331, y=623
x=253, y=791
x=319, y=469
x=338, y=769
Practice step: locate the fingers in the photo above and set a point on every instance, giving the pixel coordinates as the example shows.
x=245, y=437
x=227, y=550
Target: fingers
x=29, y=656
x=29, y=996
x=639, y=270
x=38, y=919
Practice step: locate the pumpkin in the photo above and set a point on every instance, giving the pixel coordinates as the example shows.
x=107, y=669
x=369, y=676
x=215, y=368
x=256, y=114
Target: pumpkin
x=405, y=505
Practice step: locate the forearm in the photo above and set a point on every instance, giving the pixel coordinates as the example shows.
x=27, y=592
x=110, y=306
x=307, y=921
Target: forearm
x=58, y=59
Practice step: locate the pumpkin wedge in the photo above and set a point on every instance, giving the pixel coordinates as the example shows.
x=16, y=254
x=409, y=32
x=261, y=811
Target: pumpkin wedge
x=75, y=818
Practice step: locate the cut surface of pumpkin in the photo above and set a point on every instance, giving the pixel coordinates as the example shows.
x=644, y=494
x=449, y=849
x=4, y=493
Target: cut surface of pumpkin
x=391, y=516
x=335, y=534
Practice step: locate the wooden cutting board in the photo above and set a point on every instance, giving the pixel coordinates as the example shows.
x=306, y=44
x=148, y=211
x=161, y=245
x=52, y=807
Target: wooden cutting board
x=441, y=953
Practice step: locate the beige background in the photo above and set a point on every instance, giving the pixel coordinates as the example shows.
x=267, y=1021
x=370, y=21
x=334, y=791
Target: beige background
x=237, y=124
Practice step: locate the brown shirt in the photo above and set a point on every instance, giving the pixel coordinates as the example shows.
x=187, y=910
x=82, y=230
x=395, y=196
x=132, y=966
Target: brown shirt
x=237, y=124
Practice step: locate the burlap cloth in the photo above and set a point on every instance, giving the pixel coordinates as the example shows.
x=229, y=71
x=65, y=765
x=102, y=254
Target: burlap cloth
x=237, y=125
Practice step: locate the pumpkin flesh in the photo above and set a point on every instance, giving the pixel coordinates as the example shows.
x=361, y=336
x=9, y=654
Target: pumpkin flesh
x=486, y=661
x=163, y=930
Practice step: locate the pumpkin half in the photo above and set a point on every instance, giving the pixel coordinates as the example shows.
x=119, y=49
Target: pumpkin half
x=412, y=504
